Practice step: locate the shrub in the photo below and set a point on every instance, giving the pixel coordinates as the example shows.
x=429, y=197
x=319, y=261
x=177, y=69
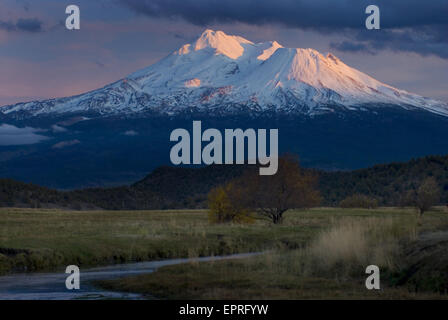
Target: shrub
x=223, y=205
x=359, y=201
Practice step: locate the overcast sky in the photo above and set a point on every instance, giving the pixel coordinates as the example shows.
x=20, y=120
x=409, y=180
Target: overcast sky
x=40, y=59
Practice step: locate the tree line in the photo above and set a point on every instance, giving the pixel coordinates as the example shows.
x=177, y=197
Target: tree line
x=394, y=184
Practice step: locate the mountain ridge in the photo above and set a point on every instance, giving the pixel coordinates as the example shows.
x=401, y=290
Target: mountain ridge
x=224, y=72
x=170, y=187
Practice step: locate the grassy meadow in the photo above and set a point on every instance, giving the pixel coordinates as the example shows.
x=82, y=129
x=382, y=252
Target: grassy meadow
x=317, y=253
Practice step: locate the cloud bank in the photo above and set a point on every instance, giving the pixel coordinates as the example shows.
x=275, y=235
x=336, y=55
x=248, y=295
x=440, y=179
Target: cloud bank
x=406, y=25
x=14, y=136
x=22, y=25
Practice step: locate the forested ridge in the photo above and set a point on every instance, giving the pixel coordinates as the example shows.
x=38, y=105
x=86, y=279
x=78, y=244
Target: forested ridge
x=177, y=187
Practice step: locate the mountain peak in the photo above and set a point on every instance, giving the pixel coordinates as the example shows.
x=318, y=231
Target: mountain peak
x=220, y=42
x=271, y=47
x=212, y=37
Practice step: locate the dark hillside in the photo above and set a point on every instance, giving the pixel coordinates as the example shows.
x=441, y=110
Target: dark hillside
x=177, y=187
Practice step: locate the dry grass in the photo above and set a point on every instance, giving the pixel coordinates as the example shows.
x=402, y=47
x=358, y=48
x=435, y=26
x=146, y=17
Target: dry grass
x=331, y=265
x=354, y=242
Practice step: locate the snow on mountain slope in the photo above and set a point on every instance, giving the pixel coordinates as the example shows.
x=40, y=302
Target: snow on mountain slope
x=218, y=72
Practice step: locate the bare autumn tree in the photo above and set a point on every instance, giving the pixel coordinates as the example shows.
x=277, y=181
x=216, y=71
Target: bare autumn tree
x=426, y=196
x=271, y=196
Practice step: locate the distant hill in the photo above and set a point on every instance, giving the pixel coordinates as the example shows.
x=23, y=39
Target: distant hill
x=177, y=187
x=14, y=193
x=386, y=182
x=164, y=188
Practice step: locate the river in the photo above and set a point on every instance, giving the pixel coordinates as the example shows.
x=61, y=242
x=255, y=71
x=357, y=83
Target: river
x=51, y=286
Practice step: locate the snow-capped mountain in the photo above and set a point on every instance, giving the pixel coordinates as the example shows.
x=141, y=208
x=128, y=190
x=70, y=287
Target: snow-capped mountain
x=333, y=116
x=222, y=73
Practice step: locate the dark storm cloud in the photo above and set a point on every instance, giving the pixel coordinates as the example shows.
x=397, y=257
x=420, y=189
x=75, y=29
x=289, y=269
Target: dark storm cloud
x=406, y=25
x=29, y=25
x=297, y=13
x=24, y=25
x=425, y=41
x=350, y=46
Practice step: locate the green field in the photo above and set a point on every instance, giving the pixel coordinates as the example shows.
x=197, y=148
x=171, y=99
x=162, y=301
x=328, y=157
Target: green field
x=48, y=239
x=318, y=253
